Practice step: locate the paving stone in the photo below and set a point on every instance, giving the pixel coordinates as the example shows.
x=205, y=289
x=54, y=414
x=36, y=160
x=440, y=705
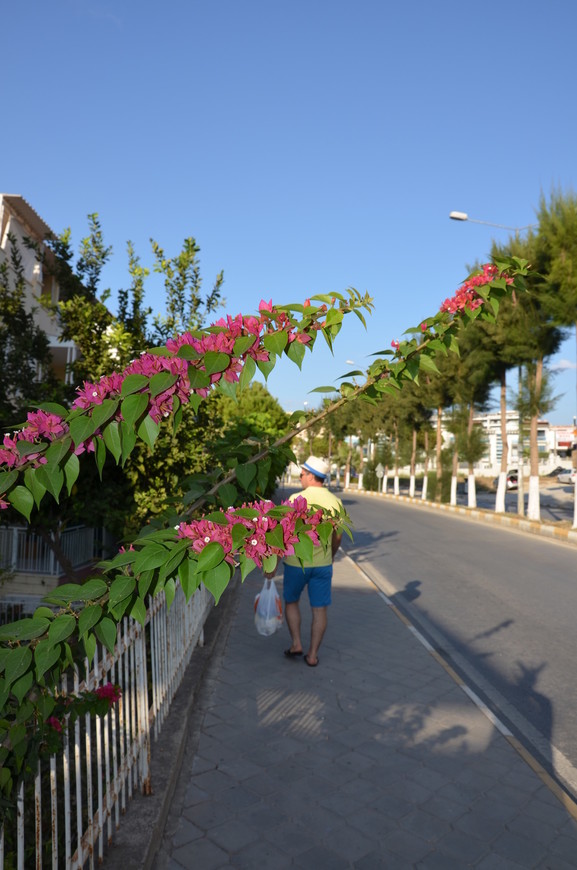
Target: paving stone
x=200, y=853
x=233, y=835
x=186, y=832
x=262, y=855
x=515, y=848
x=321, y=857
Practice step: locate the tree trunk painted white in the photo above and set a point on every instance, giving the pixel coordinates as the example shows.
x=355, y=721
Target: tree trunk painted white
x=535, y=389
x=385, y=482
x=575, y=505
x=396, y=484
x=502, y=485
x=453, y=490
x=424, y=490
x=501, y=489
x=347, y=478
x=471, y=491
x=360, y=484
x=534, y=505
x=412, y=486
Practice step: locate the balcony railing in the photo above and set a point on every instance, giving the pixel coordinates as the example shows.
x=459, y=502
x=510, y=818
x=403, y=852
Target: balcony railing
x=23, y=551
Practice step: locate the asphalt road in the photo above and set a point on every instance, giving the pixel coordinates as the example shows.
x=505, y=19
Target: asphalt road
x=501, y=606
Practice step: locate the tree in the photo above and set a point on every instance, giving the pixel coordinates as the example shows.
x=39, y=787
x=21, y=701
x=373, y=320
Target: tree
x=533, y=335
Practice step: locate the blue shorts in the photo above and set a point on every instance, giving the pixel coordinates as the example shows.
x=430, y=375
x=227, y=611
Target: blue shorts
x=318, y=581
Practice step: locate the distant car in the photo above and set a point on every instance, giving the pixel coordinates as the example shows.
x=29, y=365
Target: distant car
x=512, y=479
x=567, y=476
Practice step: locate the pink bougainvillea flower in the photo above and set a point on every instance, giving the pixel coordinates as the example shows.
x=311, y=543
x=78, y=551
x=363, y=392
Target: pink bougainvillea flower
x=55, y=723
x=109, y=692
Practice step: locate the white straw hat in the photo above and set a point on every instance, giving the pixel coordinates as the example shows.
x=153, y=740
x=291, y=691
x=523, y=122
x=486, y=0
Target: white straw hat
x=316, y=466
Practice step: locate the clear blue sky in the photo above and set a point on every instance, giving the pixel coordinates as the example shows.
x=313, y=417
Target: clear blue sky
x=308, y=145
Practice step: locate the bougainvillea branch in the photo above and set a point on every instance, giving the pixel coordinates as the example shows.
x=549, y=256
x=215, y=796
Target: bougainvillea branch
x=109, y=416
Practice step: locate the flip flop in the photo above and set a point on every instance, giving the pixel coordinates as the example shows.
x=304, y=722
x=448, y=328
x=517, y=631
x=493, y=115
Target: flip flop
x=292, y=655
x=311, y=664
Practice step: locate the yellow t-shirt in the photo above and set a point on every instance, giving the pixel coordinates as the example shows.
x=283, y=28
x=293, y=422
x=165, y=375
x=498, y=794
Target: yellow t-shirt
x=317, y=496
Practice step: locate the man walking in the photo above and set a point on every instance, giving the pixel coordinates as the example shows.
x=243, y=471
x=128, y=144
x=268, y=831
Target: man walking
x=317, y=574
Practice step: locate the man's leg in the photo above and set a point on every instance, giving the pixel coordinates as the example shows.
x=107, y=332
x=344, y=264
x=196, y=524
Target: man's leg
x=293, y=620
x=318, y=628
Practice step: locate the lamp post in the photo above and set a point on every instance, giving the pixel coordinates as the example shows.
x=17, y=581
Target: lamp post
x=463, y=216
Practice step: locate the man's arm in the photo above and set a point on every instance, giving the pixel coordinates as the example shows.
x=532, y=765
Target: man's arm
x=336, y=543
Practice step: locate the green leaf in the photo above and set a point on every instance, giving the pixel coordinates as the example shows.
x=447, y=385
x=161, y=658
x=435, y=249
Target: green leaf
x=227, y=495
x=275, y=341
x=89, y=642
x=210, y=557
x=52, y=477
x=92, y=589
x=189, y=579
x=325, y=389
x=53, y=408
x=133, y=407
x=239, y=534
x=88, y=618
x=198, y=379
x=161, y=382
x=247, y=373
x=22, y=499
x=275, y=537
x=246, y=566
x=428, y=364
x=128, y=436
x=138, y=611
x=133, y=384
x=186, y=351
x=61, y=628
x=24, y=629
x=242, y=344
x=296, y=352
x=71, y=471
x=99, y=454
x=43, y=611
x=120, y=589
x=169, y=592
x=151, y=556
x=304, y=548
x=58, y=450
x=25, y=448
x=266, y=366
x=17, y=663
x=22, y=686
x=217, y=579
x=245, y=474
x=7, y=478
x=46, y=655
x=32, y=482
x=215, y=361
x=65, y=594
x=148, y=431
x=81, y=429
x=106, y=633
x=111, y=435
x=102, y=413
x=334, y=316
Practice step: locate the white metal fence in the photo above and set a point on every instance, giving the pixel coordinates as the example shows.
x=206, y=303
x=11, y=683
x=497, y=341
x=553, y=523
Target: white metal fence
x=67, y=817
x=24, y=551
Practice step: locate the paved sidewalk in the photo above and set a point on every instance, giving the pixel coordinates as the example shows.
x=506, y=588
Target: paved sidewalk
x=374, y=759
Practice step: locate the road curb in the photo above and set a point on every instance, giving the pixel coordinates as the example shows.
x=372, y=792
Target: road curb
x=520, y=524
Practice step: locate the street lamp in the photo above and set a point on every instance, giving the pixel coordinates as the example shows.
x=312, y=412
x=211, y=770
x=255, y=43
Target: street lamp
x=463, y=216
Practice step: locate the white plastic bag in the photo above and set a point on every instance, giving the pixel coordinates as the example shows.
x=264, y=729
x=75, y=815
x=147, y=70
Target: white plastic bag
x=268, y=609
